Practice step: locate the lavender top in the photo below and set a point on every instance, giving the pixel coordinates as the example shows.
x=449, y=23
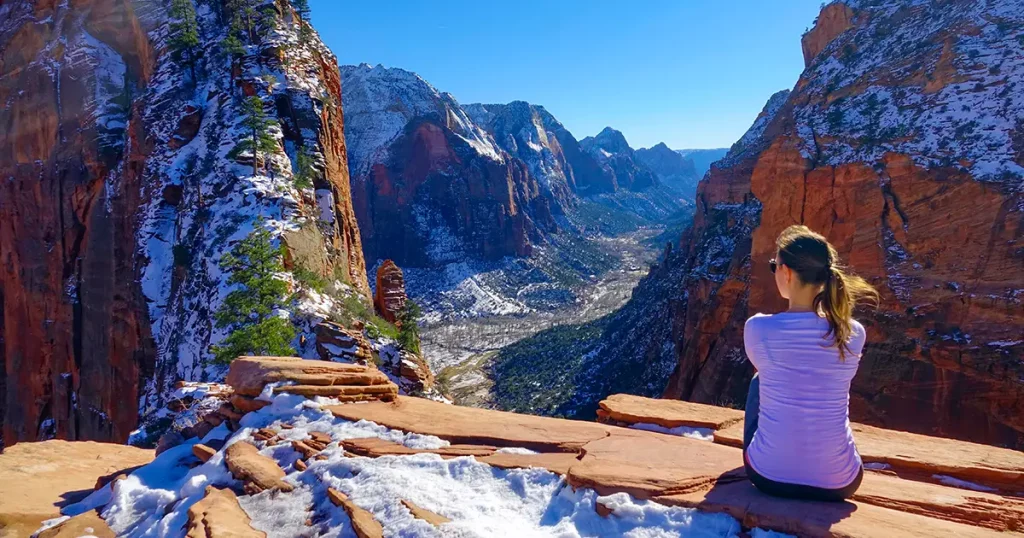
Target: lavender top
x=803, y=432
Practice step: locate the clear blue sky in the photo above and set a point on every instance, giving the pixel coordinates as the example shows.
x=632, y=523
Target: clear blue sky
x=691, y=73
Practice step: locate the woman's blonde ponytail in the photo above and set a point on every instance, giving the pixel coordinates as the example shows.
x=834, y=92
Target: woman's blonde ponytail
x=817, y=262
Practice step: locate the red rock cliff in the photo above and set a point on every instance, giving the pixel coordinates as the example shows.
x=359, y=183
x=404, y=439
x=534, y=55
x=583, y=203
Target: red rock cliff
x=835, y=19
x=74, y=338
x=924, y=203
x=118, y=201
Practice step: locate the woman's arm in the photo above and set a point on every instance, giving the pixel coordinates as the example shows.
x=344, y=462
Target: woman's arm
x=753, y=340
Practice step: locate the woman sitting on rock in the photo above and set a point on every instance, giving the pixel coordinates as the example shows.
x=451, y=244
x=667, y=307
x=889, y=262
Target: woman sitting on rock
x=797, y=441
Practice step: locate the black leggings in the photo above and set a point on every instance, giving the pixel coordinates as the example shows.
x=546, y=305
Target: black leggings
x=783, y=489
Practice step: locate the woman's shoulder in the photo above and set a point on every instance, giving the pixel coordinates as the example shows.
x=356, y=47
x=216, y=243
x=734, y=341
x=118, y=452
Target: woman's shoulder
x=858, y=334
x=757, y=320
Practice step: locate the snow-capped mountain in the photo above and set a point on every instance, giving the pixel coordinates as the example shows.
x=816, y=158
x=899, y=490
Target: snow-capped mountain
x=612, y=151
x=429, y=185
x=490, y=209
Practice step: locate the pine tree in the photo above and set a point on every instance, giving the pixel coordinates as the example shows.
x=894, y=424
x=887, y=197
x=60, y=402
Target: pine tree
x=302, y=9
x=408, y=327
x=231, y=44
x=304, y=171
x=258, y=126
x=185, y=34
x=247, y=310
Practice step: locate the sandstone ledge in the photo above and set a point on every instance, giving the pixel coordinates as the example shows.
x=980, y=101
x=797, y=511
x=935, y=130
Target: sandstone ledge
x=906, y=453
x=37, y=479
x=686, y=472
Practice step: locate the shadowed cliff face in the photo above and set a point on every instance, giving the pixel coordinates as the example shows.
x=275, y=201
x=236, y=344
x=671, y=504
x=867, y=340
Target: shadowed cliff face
x=119, y=196
x=74, y=332
x=924, y=204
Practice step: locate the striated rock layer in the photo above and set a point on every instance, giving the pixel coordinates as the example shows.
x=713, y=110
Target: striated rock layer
x=120, y=195
x=74, y=337
x=905, y=160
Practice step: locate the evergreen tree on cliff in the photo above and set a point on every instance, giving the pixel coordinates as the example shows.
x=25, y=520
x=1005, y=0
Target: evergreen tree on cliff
x=248, y=311
x=408, y=327
x=257, y=126
x=185, y=40
x=302, y=9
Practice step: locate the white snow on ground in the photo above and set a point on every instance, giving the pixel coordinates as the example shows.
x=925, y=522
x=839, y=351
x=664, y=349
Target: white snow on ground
x=703, y=434
x=957, y=483
x=481, y=501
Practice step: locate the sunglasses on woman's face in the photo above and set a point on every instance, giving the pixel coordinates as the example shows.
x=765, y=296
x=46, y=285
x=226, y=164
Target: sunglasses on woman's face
x=773, y=265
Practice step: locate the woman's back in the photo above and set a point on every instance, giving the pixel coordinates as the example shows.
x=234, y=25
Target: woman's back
x=803, y=434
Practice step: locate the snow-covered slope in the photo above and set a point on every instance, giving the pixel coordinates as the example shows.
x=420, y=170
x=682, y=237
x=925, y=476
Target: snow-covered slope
x=145, y=189
x=218, y=200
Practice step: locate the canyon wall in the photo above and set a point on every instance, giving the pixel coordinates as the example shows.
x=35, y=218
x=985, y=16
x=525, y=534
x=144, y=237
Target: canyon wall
x=902, y=143
x=73, y=328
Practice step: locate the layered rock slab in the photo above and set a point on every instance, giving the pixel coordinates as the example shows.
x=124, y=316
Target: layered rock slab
x=249, y=375
x=994, y=467
x=218, y=515
x=37, y=479
x=258, y=472
x=630, y=409
x=469, y=425
x=904, y=452
x=687, y=472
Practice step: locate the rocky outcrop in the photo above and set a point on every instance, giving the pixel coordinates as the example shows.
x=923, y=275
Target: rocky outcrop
x=672, y=168
x=389, y=295
x=306, y=456
x=429, y=185
x=256, y=471
x=40, y=478
x=929, y=459
x=363, y=523
x=924, y=205
x=610, y=149
x=835, y=18
x=413, y=372
x=249, y=375
x=334, y=342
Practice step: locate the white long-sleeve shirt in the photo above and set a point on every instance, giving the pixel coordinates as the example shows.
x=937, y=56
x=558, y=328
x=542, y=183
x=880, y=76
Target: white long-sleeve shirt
x=803, y=433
